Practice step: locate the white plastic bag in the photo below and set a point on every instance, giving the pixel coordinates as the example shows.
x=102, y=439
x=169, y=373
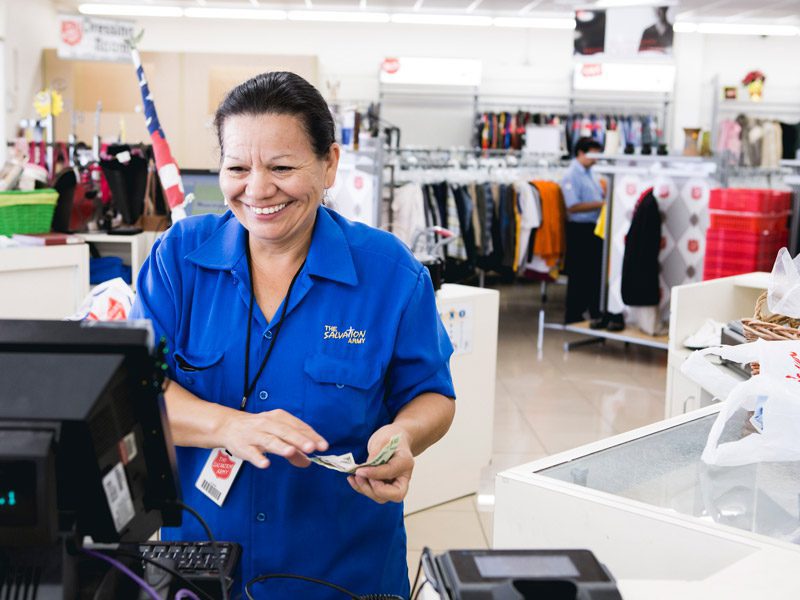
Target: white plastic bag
x=112, y=300
x=778, y=441
x=773, y=398
x=783, y=294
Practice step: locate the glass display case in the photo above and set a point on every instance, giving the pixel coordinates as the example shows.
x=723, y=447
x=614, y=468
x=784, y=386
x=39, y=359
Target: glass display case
x=651, y=510
x=664, y=469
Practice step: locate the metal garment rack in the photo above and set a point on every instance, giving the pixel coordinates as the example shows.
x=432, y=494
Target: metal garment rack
x=635, y=163
x=461, y=158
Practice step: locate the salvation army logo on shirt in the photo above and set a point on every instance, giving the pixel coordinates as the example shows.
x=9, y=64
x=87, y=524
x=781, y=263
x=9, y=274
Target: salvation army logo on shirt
x=353, y=336
x=222, y=465
x=71, y=32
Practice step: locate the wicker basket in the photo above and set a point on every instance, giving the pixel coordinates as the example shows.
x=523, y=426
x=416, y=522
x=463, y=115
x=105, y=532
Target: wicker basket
x=27, y=212
x=769, y=327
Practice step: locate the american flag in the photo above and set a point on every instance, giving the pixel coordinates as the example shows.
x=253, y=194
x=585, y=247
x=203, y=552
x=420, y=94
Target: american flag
x=165, y=163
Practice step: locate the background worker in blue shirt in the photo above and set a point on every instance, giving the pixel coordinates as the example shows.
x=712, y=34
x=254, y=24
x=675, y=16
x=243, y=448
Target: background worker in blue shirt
x=293, y=331
x=584, y=197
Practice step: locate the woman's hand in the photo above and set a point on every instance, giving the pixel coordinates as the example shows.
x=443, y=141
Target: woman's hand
x=249, y=436
x=389, y=482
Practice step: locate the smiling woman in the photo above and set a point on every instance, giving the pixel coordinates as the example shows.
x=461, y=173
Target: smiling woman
x=362, y=357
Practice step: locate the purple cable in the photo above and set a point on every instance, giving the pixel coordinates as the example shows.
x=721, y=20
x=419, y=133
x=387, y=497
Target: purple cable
x=184, y=593
x=119, y=566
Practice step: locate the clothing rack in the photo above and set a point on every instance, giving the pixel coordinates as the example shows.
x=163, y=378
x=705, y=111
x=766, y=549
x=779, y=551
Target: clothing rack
x=463, y=165
x=613, y=165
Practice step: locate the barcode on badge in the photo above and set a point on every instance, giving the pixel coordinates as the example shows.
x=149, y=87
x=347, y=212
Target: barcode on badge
x=211, y=489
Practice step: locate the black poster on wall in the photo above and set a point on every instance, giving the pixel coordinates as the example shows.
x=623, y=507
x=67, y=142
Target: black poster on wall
x=627, y=32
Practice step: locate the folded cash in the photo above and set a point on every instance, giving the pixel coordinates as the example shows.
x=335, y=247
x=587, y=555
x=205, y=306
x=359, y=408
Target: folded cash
x=345, y=463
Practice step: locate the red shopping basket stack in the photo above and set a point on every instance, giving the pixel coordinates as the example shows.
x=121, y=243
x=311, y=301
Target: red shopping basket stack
x=748, y=227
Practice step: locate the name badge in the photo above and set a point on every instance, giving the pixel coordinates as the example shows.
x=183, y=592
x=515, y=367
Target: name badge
x=218, y=475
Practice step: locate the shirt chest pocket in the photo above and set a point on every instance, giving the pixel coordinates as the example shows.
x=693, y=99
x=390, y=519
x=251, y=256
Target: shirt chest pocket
x=201, y=374
x=343, y=397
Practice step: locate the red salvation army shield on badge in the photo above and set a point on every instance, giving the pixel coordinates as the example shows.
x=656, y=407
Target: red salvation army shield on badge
x=693, y=246
x=222, y=465
x=71, y=32
x=697, y=192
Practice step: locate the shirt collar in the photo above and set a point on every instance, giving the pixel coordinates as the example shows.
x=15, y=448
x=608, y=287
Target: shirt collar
x=579, y=166
x=329, y=256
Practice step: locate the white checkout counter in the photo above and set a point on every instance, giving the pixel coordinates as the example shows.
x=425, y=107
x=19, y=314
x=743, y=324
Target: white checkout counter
x=664, y=523
x=451, y=468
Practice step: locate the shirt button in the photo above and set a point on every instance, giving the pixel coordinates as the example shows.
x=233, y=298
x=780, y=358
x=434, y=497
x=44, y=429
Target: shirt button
x=268, y=334
x=263, y=394
x=261, y=517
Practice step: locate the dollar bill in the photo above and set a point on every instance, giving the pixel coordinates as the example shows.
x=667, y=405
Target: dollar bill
x=345, y=463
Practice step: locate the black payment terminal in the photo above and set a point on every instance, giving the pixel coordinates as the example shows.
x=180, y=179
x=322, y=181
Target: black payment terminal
x=519, y=575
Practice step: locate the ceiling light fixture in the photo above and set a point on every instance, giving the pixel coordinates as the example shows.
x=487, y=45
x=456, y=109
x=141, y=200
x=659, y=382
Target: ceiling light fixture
x=418, y=4
x=130, y=10
x=475, y=4
x=529, y=7
x=338, y=16
x=425, y=19
x=736, y=28
x=535, y=22
x=621, y=3
x=235, y=13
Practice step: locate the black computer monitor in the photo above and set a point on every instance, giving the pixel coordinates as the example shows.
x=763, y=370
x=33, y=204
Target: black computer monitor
x=85, y=448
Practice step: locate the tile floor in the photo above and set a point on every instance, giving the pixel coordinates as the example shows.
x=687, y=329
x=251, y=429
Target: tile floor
x=544, y=405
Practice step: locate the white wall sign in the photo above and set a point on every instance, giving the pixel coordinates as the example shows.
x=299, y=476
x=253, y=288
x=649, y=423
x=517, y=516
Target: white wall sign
x=431, y=71
x=624, y=77
x=458, y=322
x=90, y=38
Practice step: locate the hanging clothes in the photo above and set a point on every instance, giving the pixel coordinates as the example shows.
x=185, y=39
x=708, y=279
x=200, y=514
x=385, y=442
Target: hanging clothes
x=640, y=266
x=530, y=210
x=408, y=212
x=549, y=244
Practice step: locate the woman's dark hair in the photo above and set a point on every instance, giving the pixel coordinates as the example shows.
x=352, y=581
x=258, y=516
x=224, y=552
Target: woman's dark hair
x=281, y=93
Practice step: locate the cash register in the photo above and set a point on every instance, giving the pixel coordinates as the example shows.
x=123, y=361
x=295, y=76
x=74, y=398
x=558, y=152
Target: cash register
x=88, y=474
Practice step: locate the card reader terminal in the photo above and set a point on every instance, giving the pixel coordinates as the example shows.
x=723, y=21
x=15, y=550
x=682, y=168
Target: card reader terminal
x=519, y=575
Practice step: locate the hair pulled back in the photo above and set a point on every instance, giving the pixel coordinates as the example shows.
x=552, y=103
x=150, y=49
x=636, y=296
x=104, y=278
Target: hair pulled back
x=281, y=93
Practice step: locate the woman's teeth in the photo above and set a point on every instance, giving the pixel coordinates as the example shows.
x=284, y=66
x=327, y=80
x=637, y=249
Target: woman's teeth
x=268, y=210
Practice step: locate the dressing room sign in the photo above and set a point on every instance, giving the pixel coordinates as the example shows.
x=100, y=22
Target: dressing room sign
x=89, y=38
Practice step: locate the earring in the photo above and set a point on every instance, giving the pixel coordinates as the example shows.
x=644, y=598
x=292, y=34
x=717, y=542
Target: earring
x=325, y=197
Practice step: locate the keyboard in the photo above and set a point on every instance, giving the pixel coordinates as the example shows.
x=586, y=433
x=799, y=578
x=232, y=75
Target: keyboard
x=196, y=561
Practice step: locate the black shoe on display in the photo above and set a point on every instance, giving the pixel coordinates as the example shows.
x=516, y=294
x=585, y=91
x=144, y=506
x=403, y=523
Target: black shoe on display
x=629, y=149
x=647, y=149
x=662, y=150
x=616, y=322
x=599, y=322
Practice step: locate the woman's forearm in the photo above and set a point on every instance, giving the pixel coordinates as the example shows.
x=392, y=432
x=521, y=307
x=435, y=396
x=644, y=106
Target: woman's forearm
x=194, y=421
x=425, y=420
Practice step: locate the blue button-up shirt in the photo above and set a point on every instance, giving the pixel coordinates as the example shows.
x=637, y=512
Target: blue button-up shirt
x=578, y=185
x=362, y=338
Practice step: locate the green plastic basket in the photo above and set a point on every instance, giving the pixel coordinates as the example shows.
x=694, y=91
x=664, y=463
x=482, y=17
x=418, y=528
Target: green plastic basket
x=27, y=212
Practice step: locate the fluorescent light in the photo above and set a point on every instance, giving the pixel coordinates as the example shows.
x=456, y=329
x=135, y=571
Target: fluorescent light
x=736, y=28
x=235, y=13
x=617, y=3
x=534, y=23
x=425, y=19
x=130, y=10
x=338, y=16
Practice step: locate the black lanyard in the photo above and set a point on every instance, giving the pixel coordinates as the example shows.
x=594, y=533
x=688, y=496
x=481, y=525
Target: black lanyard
x=248, y=389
